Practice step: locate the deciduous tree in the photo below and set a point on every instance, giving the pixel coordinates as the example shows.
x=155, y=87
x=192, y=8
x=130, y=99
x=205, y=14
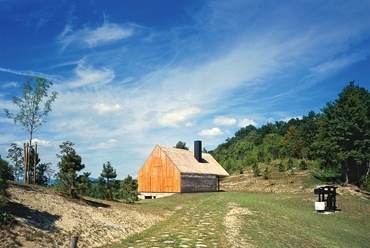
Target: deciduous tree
x=34, y=106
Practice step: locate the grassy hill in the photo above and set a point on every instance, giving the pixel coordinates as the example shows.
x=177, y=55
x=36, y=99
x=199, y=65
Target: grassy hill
x=251, y=212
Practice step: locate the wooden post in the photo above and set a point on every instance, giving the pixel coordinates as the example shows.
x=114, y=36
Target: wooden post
x=25, y=161
x=73, y=243
x=34, y=163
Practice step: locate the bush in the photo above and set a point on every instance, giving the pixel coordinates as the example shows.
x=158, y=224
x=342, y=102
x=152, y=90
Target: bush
x=256, y=170
x=365, y=183
x=5, y=218
x=267, y=173
x=303, y=165
x=281, y=167
x=290, y=164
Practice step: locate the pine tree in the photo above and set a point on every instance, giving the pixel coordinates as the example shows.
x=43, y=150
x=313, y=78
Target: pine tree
x=109, y=173
x=68, y=166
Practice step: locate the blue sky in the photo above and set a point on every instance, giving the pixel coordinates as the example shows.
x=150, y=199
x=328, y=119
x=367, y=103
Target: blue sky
x=133, y=74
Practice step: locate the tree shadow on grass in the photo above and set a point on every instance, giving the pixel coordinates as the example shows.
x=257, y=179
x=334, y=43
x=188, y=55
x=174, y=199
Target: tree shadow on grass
x=40, y=220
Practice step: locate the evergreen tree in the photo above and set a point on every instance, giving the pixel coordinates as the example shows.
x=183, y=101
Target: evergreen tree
x=68, y=166
x=41, y=178
x=128, y=190
x=6, y=173
x=83, y=183
x=15, y=154
x=108, y=173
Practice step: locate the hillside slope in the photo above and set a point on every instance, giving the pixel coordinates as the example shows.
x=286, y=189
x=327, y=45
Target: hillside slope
x=45, y=219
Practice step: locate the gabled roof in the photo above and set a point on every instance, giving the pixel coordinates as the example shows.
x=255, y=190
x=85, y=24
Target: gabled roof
x=185, y=162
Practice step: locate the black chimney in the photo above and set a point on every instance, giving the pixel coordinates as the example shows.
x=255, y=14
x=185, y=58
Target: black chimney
x=198, y=150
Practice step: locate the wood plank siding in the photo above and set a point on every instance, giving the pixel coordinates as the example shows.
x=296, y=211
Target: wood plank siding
x=159, y=174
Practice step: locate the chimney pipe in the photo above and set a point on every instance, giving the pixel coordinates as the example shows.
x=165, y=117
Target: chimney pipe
x=198, y=150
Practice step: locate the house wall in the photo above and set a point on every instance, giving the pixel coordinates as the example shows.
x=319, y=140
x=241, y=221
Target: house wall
x=198, y=183
x=158, y=174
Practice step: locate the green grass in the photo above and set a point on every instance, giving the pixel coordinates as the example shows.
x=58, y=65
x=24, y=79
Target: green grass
x=276, y=220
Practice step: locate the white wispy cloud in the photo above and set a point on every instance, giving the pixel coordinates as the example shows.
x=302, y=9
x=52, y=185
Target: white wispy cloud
x=9, y=85
x=224, y=121
x=87, y=75
x=109, y=144
x=211, y=132
x=174, y=118
x=106, y=33
x=102, y=108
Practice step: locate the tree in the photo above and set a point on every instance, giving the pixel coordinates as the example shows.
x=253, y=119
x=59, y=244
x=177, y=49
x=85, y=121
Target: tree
x=49, y=173
x=15, y=154
x=6, y=173
x=344, y=133
x=181, y=145
x=272, y=144
x=291, y=141
x=68, y=166
x=108, y=173
x=41, y=178
x=31, y=114
x=128, y=190
x=83, y=183
x=98, y=189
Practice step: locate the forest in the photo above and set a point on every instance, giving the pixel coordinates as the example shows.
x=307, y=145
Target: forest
x=334, y=142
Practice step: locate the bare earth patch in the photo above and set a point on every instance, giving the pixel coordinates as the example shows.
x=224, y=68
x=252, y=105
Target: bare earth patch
x=44, y=219
x=233, y=225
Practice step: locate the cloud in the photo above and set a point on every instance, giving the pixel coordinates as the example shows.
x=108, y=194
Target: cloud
x=109, y=144
x=211, y=132
x=91, y=76
x=174, y=118
x=9, y=85
x=224, y=121
x=53, y=78
x=102, y=108
x=246, y=122
x=108, y=32
x=42, y=143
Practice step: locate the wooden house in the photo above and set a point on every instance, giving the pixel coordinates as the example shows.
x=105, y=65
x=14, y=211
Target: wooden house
x=173, y=170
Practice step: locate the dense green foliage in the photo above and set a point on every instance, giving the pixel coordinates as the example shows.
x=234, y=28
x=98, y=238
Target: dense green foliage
x=338, y=137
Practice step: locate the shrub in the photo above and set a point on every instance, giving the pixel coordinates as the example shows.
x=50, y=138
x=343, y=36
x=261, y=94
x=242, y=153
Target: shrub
x=281, y=167
x=256, y=170
x=267, y=173
x=303, y=165
x=365, y=183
